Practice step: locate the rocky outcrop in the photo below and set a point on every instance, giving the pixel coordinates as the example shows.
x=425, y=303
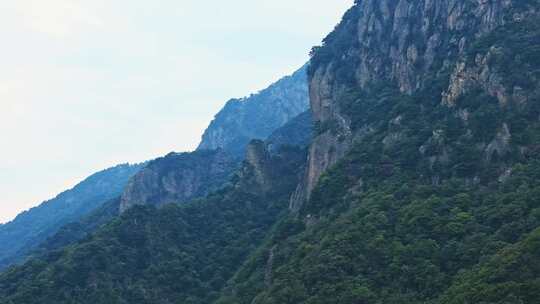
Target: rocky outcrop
x=263, y=170
x=403, y=44
x=467, y=77
x=257, y=116
x=177, y=178
x=258, y=158
x=278, y=112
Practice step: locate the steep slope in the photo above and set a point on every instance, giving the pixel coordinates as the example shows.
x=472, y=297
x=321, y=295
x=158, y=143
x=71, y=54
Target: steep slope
x=178, y=177
x=384, y=47
x=32, y=227
x=510, y=276
x=180, y=253
x=422, y=182
x=296, y=132
x=257, y=116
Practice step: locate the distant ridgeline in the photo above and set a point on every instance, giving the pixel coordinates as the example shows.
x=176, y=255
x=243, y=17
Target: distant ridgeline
x=31, y=228
x=257, y=116
x=171, y=179
x=418, y=182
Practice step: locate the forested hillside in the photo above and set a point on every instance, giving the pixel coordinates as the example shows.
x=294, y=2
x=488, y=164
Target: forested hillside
x=25, y=233
x=422, y=182
x=176, y=254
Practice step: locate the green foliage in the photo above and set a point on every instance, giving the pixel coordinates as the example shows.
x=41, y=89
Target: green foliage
x=511, y=276
x=334, y=45
x=405, y=243
x=19, y=238
x=515, y=50
x=176, y=254
x=419, y=210
x=172, y=255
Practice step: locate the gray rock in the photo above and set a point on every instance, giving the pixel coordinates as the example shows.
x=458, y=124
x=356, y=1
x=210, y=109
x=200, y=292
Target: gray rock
x=177, y=178
x=403, y=43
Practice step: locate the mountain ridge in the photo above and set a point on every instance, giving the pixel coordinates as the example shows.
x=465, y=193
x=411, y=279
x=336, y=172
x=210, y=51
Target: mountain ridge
x=30, y=228
x=258, y=115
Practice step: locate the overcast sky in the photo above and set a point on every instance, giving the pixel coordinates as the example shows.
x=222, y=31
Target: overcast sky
x=87, y=84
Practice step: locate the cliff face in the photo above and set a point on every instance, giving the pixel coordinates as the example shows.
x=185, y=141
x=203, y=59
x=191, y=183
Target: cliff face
x=266, y=165
x=257, y=116
x=427, y=123
x=402, y=45
x=177, y=178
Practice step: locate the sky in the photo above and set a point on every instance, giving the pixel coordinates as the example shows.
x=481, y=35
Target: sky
x=87, y=84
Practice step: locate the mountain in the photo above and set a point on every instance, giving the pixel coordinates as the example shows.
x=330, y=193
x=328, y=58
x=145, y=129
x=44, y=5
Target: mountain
x=257, y=116
x=30, y=228
x=177, y=177
x=422, y=179
x=420, y=183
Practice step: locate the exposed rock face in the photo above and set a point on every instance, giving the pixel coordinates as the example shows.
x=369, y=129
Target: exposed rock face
x=466, y=77
x=263, y=170
x=177, y=178
x=257, y=116
x=278, y=111
x=501, y=143
x=402, y=43
x=258, y=158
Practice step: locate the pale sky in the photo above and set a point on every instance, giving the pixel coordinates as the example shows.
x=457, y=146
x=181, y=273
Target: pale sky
x=87, y=84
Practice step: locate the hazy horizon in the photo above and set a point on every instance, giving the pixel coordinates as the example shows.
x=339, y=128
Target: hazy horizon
x=89, y=85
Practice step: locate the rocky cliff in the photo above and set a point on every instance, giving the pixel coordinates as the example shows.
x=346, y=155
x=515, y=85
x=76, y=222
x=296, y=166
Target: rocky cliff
x=257, y=116
x=402, y=46
x=265, y=164
x=426, y=149
x=177, y=178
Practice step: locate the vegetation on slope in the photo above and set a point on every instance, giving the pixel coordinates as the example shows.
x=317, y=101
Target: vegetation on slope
x=421, y=210
x=19, y=237
x=175, y=254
